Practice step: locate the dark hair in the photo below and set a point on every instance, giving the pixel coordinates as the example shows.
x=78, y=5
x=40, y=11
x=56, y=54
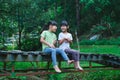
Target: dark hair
x=53, y=23
x=64, y=23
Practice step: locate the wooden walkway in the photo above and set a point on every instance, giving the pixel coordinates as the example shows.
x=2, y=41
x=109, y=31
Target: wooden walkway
x=38, y=56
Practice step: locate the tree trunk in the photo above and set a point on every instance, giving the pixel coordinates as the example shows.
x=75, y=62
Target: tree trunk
x=19, y=28
x=19, y=42
x=56, y=5
x=77, y=14
x=64, y=8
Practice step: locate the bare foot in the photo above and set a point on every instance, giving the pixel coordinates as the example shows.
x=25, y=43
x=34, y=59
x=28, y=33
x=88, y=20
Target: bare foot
x=57, y=69
x=70, y=61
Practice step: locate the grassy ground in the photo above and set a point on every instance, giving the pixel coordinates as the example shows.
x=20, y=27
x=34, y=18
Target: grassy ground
x=101, y=49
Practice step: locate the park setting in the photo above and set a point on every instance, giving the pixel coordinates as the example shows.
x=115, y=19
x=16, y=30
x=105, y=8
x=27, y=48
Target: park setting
x=59, y=40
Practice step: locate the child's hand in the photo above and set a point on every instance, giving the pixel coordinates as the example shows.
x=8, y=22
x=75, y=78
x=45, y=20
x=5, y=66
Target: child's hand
x=67, y=39
x=51, y=46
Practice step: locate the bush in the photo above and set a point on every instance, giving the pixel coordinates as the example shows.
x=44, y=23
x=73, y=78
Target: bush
x=2, y=46
x=31, y=44
x=101, y=42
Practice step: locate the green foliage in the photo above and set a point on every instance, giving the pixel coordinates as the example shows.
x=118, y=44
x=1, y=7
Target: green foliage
x=98, y=29
x=2, y=47
x=87, y=42
x=56, y=76
x=95, y=12
x=29, y=16
x=31, y=44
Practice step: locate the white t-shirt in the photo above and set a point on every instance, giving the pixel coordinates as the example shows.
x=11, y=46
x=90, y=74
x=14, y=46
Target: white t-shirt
x=65, y=44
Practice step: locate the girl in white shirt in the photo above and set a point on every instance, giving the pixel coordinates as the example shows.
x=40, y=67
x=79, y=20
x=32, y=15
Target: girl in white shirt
x=65, y=39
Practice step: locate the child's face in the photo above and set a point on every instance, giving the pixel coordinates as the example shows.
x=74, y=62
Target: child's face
x=53, y=28
x=64, y=28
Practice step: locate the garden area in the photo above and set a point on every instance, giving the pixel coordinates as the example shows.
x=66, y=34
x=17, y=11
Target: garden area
x=94, y=25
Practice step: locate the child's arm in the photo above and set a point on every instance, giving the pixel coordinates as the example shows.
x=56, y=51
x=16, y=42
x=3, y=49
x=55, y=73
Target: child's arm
x=69, y=40
x=54, y=43
x=46, y=43
x=61, y=41
x=65, y=39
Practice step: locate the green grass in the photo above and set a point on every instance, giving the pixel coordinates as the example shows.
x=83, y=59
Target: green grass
x=94, y=75
x=100, y=49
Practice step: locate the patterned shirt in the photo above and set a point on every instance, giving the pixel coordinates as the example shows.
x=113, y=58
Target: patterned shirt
x=49, y=37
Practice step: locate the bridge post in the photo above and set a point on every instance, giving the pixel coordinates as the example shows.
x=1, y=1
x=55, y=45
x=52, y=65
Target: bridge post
x=90, y=64
x=48, y=65
x=60, y=64
x=13, y=71
x=4, y=65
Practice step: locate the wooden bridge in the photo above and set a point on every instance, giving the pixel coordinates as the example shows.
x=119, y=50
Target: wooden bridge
x=38, y=56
